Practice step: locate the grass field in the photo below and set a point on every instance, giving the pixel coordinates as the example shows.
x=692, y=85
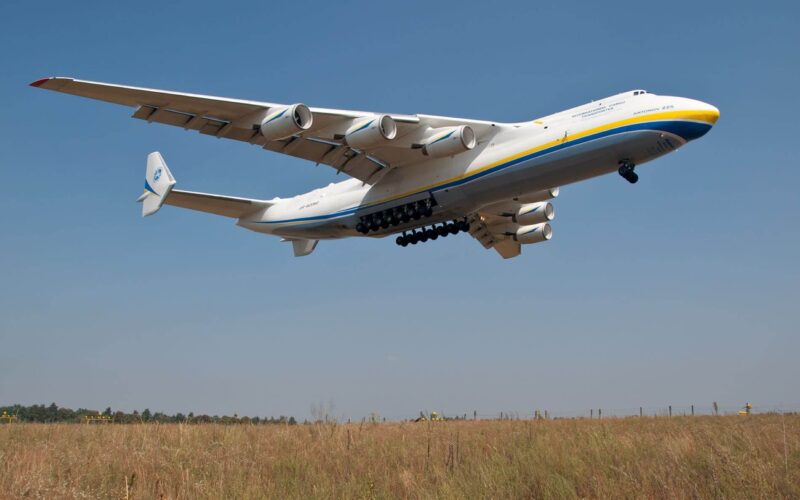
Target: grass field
x=681, y=457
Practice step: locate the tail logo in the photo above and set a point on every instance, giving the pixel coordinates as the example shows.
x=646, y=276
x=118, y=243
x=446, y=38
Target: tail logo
x=157, y=174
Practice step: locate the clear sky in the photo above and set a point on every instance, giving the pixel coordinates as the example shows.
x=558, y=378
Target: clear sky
x=682, y=289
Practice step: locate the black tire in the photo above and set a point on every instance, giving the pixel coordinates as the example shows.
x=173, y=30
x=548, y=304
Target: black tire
x=442, y=230
x=633, y=178
x=400, y=241
x=362, y=228
x=452, y=228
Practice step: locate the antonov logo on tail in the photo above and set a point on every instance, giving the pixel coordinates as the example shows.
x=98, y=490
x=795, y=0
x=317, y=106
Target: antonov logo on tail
x=419, y=177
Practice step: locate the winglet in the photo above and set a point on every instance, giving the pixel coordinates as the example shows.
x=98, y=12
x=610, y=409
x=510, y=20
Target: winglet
x=158, y=183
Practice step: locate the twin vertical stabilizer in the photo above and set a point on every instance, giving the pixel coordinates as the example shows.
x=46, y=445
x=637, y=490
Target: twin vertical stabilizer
x=158, y=183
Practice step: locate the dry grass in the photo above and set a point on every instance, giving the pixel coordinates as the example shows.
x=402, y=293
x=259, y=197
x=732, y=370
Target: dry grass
x=732, y=457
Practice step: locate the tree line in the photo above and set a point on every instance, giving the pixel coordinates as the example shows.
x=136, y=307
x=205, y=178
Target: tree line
x=54, y=413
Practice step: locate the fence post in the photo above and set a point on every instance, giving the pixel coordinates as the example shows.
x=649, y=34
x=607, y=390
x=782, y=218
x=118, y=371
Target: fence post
x=640, y=412
x=599, y=413
x=591, y=413
x=670, y=410
x=475, y=415
x=693, y=410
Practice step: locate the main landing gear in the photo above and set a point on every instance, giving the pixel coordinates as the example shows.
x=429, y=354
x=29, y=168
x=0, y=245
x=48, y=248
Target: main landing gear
x=395, y=216
x=432, y=233
x=626, y=171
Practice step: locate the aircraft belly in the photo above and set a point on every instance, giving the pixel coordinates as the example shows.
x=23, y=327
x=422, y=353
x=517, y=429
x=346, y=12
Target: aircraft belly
x=567, y=166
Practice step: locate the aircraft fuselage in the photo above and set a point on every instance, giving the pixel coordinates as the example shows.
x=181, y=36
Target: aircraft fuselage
x=559, y=149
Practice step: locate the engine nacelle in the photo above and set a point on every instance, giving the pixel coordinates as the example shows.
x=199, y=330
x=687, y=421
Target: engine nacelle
x=450, y=142
x=533, y=234
x=286, y=122
x=537, y=196
x=371, y=132
x=534, y=213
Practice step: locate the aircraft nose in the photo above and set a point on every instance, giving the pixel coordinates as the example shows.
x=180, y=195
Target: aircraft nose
x=712, y=113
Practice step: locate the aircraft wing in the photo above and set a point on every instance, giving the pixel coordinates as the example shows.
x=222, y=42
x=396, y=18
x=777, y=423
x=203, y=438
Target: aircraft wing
x=480, y=228
x=506, y=224
x=323, y=141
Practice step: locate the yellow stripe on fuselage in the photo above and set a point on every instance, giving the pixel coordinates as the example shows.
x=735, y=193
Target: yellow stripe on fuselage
x=709, y=117
x=705, y=116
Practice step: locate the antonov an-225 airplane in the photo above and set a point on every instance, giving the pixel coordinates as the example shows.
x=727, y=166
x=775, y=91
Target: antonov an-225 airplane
x=419, y=176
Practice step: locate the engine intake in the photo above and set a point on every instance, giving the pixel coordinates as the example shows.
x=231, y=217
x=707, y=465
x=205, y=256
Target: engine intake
x=286, y=122
x=449, y=142
x=371, y=132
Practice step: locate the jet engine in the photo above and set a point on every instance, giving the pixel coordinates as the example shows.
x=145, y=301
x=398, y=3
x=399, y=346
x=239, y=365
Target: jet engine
x=285, y=122
x=371, y=132
x=449, y=142
x=537, y=196
x=535, y=233
x=534, y=213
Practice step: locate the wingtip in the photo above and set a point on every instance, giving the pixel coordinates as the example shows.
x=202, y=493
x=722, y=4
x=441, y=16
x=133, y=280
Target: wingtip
x=41, y=81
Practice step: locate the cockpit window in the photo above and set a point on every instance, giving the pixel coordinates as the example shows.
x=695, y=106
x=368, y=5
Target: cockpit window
x=639, y=92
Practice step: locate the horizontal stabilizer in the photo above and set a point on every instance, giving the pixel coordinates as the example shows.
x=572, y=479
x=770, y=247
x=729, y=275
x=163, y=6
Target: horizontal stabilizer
x=158, y=184
x=227, y=206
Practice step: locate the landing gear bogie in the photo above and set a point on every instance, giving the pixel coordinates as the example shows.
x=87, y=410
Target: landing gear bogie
x=393, y=217
x=432, y=233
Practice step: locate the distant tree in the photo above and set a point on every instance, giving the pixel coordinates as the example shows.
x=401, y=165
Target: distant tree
x=146, y=415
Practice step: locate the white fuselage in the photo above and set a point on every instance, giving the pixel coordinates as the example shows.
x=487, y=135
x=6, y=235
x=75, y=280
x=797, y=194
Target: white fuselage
x=566, y=147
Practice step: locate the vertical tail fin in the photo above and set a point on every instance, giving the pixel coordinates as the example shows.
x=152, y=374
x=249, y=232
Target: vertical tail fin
x=158, y=182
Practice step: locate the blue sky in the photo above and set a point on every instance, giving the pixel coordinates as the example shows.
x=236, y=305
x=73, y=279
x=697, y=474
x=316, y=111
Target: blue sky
x=682, y=289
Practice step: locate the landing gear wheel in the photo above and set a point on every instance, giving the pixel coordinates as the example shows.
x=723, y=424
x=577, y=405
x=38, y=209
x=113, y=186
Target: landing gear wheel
x=627, y=173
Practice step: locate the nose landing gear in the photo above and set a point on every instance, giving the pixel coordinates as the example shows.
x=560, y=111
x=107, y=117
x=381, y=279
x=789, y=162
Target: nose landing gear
x=626, y=171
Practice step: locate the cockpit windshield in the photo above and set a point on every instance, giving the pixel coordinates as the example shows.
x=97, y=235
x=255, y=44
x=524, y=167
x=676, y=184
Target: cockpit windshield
x=639, y=92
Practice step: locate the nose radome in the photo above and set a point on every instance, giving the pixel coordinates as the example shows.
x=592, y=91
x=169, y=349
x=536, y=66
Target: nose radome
x=713, y=112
